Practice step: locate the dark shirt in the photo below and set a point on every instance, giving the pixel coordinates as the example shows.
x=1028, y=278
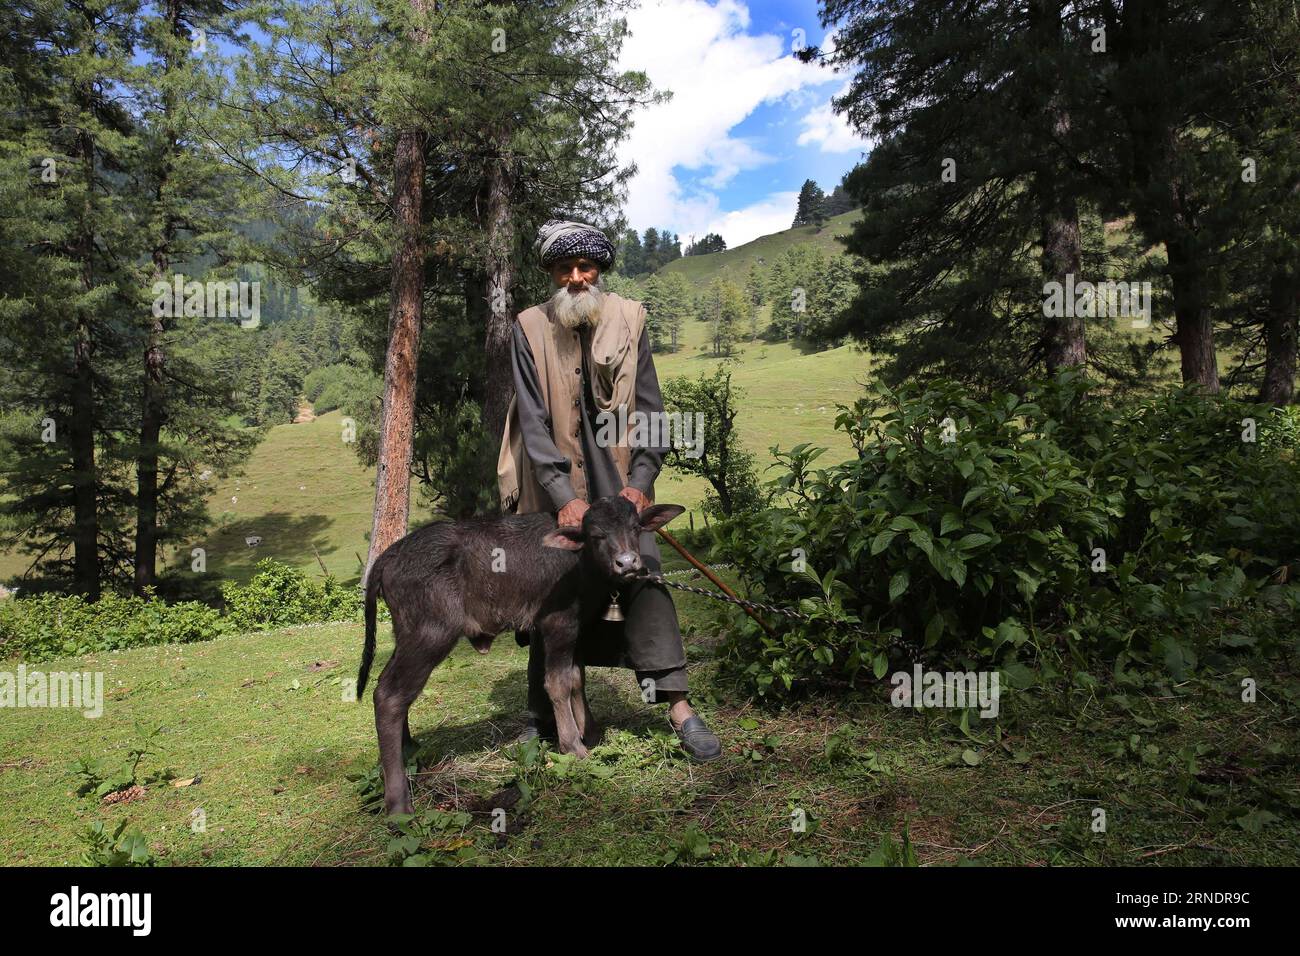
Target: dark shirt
x=551, y=468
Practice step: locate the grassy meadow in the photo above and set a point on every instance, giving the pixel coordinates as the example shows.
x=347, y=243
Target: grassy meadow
x=260, y=720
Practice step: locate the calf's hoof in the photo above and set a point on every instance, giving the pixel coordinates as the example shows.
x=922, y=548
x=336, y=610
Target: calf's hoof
x=394, y=816
x=578, y=750
x=593, y=735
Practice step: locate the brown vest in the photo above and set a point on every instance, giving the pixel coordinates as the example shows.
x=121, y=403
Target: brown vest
x=557, y=352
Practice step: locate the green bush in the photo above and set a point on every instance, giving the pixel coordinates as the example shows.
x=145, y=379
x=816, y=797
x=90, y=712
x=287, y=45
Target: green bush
x=51, y=625
x=1049, y=526
x=280, y=596
x=118, y=848
x=334, y=386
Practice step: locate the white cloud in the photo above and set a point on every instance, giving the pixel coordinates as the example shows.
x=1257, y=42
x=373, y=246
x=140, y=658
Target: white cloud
x=822, y=125
x=769, y=215
x=719, y=75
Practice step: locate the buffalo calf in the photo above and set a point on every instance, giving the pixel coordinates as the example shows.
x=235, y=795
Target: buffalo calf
x=481, y=576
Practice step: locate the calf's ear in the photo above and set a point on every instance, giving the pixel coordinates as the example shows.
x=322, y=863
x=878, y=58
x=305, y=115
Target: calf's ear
x=656, y=516
x=567, y=537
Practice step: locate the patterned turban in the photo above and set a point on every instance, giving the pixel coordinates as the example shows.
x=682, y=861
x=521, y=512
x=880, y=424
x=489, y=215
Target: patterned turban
x=558, y=239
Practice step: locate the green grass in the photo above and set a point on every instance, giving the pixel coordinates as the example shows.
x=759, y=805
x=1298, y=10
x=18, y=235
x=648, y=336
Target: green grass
x=261, y=719
x=302, y=488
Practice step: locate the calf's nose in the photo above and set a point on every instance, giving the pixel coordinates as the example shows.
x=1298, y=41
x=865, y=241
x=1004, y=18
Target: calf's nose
x=627, y=562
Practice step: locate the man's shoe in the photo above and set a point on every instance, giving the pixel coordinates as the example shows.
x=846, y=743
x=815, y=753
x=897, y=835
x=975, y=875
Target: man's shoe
x=534, y=729
x=698, y=741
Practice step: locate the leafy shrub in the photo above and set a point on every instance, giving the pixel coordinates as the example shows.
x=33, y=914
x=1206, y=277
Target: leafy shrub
x=47, y=626
x=281, y=596
x=51, y=625
x=432, y=838
x=100, y=778
x=1052, y=524
x=721, y=460
x=102, y=848
x=334, y=386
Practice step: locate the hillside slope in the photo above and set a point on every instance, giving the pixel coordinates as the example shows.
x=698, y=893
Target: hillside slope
x=734, y=263
x=302, y=488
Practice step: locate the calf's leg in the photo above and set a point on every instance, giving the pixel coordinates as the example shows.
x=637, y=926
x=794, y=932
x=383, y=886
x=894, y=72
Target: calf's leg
x=403, y=678
x=561, y=642
x=588, y=729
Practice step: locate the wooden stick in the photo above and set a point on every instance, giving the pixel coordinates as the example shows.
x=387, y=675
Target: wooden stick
x=700, y=566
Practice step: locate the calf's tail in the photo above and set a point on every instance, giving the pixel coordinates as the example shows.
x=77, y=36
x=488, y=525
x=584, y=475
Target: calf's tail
x=373, y=590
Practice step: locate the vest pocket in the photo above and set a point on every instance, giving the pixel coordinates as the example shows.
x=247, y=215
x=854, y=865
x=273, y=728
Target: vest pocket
x=608, y=357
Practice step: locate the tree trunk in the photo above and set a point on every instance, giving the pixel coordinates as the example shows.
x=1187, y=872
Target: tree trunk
x=1165, y=210
x=1280, y=331
x=1064, y=338
x=1195, y=326
x=81, y=428
x=151, y=422
x=500, y=227
x=153, y=402
x=405, y=318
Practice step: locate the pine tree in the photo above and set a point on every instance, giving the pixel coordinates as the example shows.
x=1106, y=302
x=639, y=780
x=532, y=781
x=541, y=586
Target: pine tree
x=652, y=299
x=811, y=206
x=675, y=305
x=631, y=257
x=727, y=309
x=839, y=202
x=73, y=292
x=756, y=285
x=968, y=196
x=710, y=243
x=186, y=192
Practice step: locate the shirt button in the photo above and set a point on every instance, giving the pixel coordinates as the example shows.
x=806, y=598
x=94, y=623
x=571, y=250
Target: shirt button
x=577, y=371
x=579, y=464
x=576, y=403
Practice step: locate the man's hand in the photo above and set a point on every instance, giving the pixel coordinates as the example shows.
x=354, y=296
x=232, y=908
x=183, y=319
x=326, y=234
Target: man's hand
x=571, y=514
x=634, y=495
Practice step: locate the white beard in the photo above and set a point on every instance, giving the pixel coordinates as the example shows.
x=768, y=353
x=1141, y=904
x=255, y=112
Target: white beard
x=573, y=310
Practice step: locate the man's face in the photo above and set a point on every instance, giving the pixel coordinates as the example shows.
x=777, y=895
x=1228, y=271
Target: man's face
x=578, y=274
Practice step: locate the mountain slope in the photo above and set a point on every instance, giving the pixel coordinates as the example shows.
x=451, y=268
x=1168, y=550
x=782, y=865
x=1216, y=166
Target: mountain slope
x=735, y=263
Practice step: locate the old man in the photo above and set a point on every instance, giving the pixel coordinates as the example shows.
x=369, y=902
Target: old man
x=577, y=358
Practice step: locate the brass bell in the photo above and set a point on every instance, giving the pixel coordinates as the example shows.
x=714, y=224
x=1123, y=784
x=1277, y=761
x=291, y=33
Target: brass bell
x=613, y=612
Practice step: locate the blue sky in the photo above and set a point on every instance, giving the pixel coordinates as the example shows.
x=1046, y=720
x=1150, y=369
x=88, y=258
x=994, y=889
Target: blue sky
x=747, y=123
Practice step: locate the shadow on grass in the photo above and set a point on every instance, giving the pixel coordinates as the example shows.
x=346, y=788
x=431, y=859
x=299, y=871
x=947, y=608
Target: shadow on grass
x=606, y=692
x=285, y=537
x=509, y=695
